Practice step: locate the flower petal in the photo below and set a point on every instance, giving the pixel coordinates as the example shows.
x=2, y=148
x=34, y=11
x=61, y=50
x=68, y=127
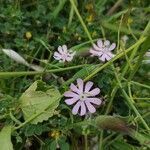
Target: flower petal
x=96, y=47
x=100, y=53
x=64, y=47
x=94, y=92
x=110, y=54
x=74, y=88
x=102, y=58
x=83, y=109
x=57, y=58
x=88, y=86
x=60, y=49
x=72, y=53
x=90, y=107
x=96, y=101
x=106, y=43
x=71, y=94
x=94, y=52
x=80, y=85
x=112, y=46
x=71, y=100
x=76, y=108
x=56, y=54
x=69, y=58
x=108, y=57
x=100, y=43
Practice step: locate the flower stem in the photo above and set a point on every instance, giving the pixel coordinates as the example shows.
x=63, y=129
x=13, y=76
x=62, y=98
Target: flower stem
x=24, y=73
x=114, y=27
x=138, y=84
x=130, y=102
x=81, y=20
x=86, y=142
x=14, y=119
x=101, y=140
x=115, y=58
x=125, y=69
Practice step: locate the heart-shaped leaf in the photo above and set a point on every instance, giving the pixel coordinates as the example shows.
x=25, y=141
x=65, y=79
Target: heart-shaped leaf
x=38, y=106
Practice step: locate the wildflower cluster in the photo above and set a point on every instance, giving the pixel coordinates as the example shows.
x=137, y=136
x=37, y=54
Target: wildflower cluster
x=103, y=50
x=83, y=96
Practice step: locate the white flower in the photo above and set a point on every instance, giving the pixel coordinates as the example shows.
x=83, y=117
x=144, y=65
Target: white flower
x=103, y=50
x=64, y=54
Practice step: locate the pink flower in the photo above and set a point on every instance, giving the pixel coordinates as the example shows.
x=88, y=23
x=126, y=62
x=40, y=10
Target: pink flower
x=83, y=97
x=64, y=54
x=103, y=50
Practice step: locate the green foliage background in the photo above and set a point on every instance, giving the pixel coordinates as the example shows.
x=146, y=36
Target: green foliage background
x=124, y=81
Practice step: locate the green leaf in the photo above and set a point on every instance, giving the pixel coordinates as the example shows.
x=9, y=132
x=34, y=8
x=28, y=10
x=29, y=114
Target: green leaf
x=39, y=105
x=5, y=138
x=81, y=74
x=121, y=145
x=63, y=144
x=37, y=129
x=112, y=123
x=53, y=145
x=142, y=138
x=118, y=124
x=58, y=8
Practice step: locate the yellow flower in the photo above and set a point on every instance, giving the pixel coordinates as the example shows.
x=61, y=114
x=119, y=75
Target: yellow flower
x=130, y=20
x=77, y=36
x=28, y=35
x=94, y=34
x=90, y=18
x=55, y=134
x=89, y=6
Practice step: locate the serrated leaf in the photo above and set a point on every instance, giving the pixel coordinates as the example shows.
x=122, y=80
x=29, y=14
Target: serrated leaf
x=37, y=129
x=5, y=138
x=38, y=103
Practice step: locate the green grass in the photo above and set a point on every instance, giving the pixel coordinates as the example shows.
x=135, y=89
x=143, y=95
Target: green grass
x=121, y=122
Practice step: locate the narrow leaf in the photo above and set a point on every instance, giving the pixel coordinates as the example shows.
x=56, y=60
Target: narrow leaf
x=112, y=123
x=15, y=56
x=5, y=138
x=19, y=59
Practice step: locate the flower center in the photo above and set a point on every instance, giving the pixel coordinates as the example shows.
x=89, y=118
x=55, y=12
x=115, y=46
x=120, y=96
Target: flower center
x=83, y=96
x=64, y=55
x=105, y=49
